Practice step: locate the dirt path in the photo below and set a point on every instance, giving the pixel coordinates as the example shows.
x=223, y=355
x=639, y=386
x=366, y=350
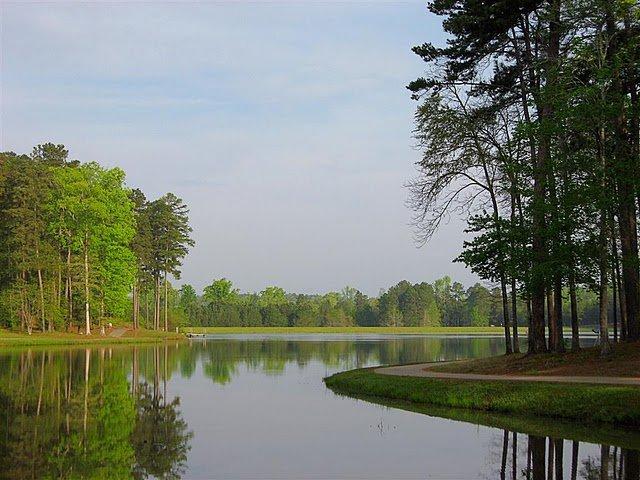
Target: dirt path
x=117, y=332
x=422, y=370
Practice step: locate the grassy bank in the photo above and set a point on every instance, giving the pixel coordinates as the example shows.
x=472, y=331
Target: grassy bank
x=16, y=339
x=352, y=330
x=598, y=403
x=623, y=361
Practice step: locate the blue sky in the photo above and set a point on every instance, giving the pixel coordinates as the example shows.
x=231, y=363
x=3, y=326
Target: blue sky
x=285, y=126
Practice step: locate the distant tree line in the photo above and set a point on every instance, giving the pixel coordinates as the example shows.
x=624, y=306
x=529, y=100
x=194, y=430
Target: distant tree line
x=529, y=124
x=78, y=248
x=443, y=303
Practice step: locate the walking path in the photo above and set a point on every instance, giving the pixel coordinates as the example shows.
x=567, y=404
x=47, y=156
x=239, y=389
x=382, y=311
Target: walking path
x=423, y=370
x=117, y=332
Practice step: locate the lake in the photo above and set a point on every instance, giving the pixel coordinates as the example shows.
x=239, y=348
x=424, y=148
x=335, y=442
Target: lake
x=256, y=407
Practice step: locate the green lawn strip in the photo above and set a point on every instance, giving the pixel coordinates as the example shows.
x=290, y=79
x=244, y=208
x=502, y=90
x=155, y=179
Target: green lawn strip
x=12, y=339
x=618, y=405
x=623, y=360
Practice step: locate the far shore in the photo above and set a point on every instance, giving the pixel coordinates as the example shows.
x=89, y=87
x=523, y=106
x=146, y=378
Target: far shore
x=129, y=336
x=489, y=331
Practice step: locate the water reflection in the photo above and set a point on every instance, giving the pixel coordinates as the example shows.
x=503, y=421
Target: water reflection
x=75, y=414
x=256, y=408
x=545, y=458
x=222, y=358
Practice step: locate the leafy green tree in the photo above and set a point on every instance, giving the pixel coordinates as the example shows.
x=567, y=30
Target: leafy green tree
x=273, y=296
x=171, y=233
x=220, y=291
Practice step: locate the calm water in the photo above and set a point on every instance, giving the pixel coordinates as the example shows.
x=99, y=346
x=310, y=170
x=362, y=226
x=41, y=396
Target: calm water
x=256, y=407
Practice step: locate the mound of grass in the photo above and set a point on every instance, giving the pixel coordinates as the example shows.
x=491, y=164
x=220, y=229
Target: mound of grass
x=623, y=361
x=618, y=405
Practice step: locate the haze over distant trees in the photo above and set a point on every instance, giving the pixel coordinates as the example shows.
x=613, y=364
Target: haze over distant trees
x=77, y=247
x=529, y=121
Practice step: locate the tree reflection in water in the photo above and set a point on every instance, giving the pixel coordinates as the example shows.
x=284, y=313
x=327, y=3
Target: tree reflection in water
x=74, y=414
x=543, y=458
x=108, y=412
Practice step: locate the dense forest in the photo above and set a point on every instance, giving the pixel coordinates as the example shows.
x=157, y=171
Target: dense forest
x=77, y=246
x=528, y=122
x=443, y=303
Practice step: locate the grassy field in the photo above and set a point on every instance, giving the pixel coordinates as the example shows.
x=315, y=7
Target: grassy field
x=15, y=339
x=353, y=330
x=598, y=403
x=623, y=361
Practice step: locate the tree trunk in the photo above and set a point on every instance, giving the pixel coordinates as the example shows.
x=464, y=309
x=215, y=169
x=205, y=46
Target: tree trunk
x=575, y=326
x=59, y=289
x=505, y=451
x=550, y=459
x=629, y=244
x=69, y=292
x=41, y=291
x=552, y=324
x=514, y=315
x=22, y=305
x=530, y=338
x=538, y=454
x=514, y=456
x=505, y=315
x=559, y=454
x=514, y=297
x=87, y=359
x=501, y=267
x=166, y=303
x=621, y=297
x=614, y=291
x=135, y=304
x=557, y=298
x=575, y=446
x=540, y=176
x=605, y=346
x=87, y=317
x=156, y=306
x=604, y=462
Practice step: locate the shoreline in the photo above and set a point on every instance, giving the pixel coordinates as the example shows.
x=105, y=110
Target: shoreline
x=460, y=331
x=20, y=339
x=596, y=401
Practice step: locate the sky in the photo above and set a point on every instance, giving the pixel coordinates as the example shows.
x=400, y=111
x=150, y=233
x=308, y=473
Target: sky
x=285, y=126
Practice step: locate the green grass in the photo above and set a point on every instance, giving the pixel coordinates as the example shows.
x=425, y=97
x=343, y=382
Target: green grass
x=618, y=405
x=377, y=330
x=15, y=339
x=622, y=361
